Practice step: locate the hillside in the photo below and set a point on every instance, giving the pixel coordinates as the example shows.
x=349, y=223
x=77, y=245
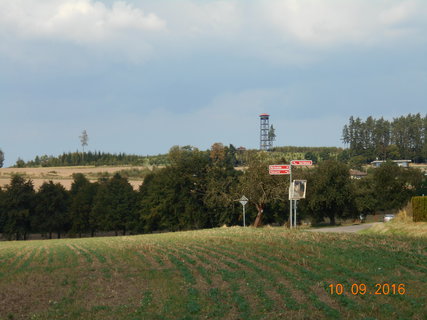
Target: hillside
x=225, y=273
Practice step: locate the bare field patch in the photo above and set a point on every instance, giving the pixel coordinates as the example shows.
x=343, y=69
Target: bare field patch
x=64, y=175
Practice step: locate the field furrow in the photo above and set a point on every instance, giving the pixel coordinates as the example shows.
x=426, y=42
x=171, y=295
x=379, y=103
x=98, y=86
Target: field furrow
x=225, y=273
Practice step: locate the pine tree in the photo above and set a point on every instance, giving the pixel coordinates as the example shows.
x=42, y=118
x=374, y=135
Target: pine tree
x=84, y=138
x=52, y=202
x=18, y=205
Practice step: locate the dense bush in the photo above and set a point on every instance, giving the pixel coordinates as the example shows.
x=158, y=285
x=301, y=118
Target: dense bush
x=419, y=208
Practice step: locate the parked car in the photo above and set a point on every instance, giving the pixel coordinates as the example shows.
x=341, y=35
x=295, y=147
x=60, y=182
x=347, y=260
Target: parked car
x=388, y=217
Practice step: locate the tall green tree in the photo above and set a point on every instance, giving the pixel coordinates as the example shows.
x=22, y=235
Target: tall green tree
x=172, y=198
x=19, y=201
x=424, y=135
x=52, y=203
x=115, y=205
x=329, y=191
x=220, y=190
x=381, y=138
x=404, y=137
x=272, y=134
x=82, y=215
x=393, y=186
x=364, y=196
x=84, y=138
x=261, y=188
x=3, y=212
x=1, y=158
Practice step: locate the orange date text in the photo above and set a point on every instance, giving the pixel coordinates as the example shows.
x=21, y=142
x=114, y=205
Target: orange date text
x=362, y=289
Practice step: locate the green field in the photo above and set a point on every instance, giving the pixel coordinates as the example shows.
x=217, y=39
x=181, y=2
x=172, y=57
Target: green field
x=225, y=273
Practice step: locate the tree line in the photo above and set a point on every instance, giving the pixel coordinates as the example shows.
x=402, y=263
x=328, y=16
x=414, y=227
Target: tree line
x=241, y=157
x=404, y=137
x=198, y=189
x=95, y=158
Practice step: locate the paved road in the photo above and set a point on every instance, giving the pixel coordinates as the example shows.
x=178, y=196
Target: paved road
x=353, y=228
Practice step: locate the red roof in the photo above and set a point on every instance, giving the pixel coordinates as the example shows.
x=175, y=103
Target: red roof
x=264, y=115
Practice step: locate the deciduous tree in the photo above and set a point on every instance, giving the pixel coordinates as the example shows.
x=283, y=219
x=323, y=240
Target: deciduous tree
x=262, y=188
x=330, y=191
x=393, y=186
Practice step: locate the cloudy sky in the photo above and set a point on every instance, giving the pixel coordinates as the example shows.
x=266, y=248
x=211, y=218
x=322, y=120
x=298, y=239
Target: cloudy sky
x=143, y=75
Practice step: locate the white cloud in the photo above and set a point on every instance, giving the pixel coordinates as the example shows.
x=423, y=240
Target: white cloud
x=278, y=31
x=81, y=21
x=331, y=22
x=398, y=13
x=219, y=18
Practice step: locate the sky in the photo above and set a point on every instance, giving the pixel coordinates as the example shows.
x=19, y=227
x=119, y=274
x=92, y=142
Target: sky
x=143, y=75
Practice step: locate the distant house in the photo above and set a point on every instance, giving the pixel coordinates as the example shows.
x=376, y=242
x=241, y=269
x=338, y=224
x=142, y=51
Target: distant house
x=356, y=174
x=400, y=163
x=241, y=149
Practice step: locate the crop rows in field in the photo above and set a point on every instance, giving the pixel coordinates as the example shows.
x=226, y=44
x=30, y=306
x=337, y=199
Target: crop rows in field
x=215, y=274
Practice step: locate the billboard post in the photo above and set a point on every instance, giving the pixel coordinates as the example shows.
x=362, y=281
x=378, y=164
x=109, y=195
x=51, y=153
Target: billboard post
x=296, y=190
x=296, y=187
x=290, y=202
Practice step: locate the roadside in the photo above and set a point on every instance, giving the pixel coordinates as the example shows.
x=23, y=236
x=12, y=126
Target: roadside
x=349, y=229
x=399, y=228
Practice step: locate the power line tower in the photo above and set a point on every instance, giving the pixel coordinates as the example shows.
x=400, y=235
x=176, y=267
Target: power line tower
x=265, y=142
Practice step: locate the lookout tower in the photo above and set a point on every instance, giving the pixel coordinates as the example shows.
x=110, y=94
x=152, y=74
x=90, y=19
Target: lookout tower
x=264, y=141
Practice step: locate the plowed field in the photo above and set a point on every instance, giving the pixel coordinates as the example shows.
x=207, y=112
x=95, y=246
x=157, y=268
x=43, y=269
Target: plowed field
x=225, y=273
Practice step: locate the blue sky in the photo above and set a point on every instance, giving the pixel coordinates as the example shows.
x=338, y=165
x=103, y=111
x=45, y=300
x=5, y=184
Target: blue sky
x=142, y=76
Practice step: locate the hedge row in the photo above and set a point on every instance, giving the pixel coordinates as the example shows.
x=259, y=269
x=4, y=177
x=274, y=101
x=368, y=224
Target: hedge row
x=419, y=208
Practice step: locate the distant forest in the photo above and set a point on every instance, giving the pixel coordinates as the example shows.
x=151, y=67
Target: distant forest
x=282, y=154
x=404, y=137
x=96, y=158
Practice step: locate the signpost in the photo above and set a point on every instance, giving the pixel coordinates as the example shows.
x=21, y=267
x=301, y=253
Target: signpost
x=243, y=200
x=278, y=169
x=294, y=202
x=301, y=163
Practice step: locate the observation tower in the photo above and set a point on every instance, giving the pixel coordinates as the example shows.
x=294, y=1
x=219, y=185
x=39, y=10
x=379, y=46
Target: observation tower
x=264, y=140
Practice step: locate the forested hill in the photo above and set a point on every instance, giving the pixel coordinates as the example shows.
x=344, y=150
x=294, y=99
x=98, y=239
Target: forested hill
x=404, y=137
x=239, y=157
x=96, y=158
